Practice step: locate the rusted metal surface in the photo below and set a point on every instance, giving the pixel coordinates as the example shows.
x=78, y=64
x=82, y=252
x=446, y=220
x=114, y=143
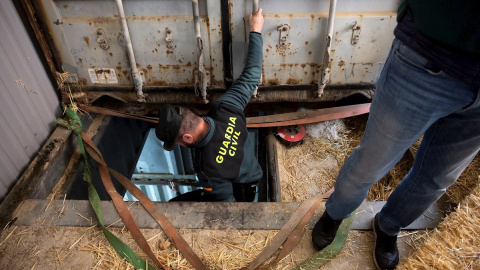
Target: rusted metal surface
x=201, y=76
x=137, y=78
x=363, y=61
x=265, y=95
x=32, y=15
x=299, y=61
x=324, y=74
x=74, y=28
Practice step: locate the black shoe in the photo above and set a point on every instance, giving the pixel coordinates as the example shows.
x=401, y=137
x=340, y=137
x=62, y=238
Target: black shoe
x=385, y=252
x=324, y=231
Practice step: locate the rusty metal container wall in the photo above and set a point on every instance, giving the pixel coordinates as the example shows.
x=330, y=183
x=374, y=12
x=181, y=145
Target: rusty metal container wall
x=75, y=26
x=88, y=39
x=300, y=59
x=28, y=103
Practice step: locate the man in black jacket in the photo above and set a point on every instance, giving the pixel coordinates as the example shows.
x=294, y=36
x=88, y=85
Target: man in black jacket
x=222, y=154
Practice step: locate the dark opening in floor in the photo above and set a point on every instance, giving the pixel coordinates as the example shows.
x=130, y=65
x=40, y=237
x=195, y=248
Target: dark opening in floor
x=163, y=175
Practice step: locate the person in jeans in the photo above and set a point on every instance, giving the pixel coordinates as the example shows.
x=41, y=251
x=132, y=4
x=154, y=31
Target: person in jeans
x=223, y=157
x=429, y=85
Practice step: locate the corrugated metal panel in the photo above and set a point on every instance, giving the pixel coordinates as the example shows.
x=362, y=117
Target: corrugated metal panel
x=300, y=60
x=75, y=25
x=28, y=104
x=88, y=42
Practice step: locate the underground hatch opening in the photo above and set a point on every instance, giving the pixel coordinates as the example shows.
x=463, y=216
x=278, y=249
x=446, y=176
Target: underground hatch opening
x=163, y=175
x=131, y=148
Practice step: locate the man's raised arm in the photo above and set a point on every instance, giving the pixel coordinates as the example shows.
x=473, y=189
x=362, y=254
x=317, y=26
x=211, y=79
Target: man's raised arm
x=241, y=91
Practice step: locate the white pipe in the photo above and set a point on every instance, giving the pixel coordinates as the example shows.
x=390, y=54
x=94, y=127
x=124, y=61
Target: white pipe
x=331, y=16
x=326, y=60
x=196, y=18
x=137, y=79
x=254, y=6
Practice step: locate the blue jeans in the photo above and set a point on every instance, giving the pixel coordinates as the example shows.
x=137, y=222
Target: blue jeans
x=412, y=98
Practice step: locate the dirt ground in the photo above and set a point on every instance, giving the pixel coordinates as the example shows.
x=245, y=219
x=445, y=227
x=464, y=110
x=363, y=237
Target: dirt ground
x=23, y=247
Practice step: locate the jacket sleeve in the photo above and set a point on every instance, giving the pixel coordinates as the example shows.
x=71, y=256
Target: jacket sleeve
x=241, y=91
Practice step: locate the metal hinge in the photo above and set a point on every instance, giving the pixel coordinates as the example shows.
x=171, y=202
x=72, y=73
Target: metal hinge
x=284, y=28
x=102, y=39
x=355, y=33
x=170, y=40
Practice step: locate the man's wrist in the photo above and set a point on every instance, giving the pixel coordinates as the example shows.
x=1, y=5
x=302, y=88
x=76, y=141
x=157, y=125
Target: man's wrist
x=255, y=32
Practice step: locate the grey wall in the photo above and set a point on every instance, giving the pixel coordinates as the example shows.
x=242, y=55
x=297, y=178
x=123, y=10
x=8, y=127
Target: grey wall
x=28, y=103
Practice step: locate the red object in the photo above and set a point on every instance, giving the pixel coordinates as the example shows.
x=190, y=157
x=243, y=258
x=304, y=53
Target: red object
x=292, y=134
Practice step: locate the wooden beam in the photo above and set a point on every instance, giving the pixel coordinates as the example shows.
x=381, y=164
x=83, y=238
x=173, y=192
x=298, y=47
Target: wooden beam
x=195, y=215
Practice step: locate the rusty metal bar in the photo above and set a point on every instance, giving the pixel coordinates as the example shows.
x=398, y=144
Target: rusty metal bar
x=137, y=79
x=326, y=59
x=202, y=80
x=51, y=57
x=268, y=96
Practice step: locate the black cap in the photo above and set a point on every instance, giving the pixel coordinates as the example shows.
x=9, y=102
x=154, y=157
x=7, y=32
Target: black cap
x=169, y=121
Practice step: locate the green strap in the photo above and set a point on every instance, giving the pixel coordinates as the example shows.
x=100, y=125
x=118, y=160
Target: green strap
x=74, y=123
x=327, y=254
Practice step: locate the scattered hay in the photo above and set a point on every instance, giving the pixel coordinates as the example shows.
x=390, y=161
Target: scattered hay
x=87, y=248
x=467, y=182
x=69, y=90
x=312, y=168
x=383, y=188
x=300, y=176
x=235, y=249
x=455, y=244
x=230, y=249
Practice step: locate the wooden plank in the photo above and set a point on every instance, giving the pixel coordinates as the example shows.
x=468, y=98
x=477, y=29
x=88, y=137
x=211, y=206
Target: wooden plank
x=51, y=153
x=64, y=171
x=308, y=117
x=195, y=215
x=43, y=174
